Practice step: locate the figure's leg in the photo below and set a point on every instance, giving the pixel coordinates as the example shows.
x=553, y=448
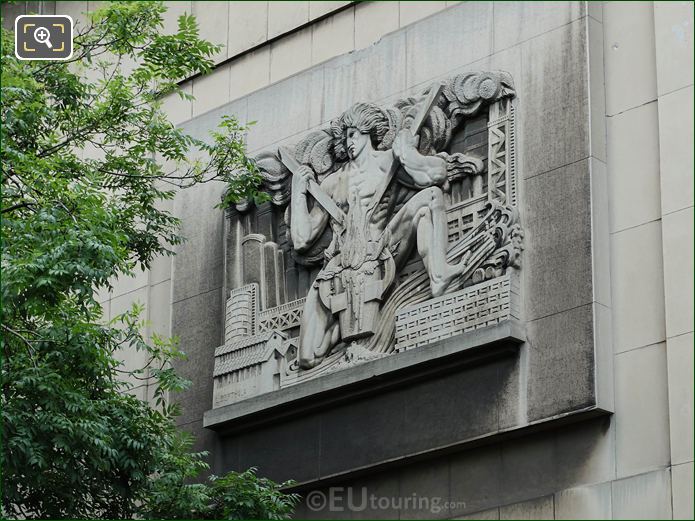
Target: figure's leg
x=318, y=331
x=424, y=215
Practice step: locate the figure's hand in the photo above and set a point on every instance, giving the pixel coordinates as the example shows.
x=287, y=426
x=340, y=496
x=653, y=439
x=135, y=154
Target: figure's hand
x=404, y=142
x=300, y=181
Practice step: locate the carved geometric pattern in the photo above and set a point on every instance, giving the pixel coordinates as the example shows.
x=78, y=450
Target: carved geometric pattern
x=501, y=153
x=242, y=353
x=241, y=312
x=281, y=318
x=471, y=308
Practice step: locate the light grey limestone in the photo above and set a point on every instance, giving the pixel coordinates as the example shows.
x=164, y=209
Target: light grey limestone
x=673, y=26
x=373, y=20
x=195, y=321
x=322, y=8
x=641, y=410
x=678, y=271
x=333, y=36
x=540, y=508
x=557, y=214
x=284, y=109
x=284, y=16
x=159, y=306
x=211, y=90
x=633, y=163
x=362, y=76
x=676, y=149
x=290, y=55
x=129, y=283
x=172, y=14
x=131, y=358
x=516, y=22
x=644, y=496
x=178, y=109
x=249, y=73
x=561, y=359
x=679, y=354
x=638, y=309
x=554, y=117
x=503, y=332
x=248, y=26
x=600, y=233
x=198, y=264
x=213, y=23
x=591, y=502
x=425, y=480
x=629, y=53
x=597, y=89
x=492, y=513
x=201, y=125
x=603, y=349
x=411, y=12
x=682, y=480
x=447, y=40
x=595, y=10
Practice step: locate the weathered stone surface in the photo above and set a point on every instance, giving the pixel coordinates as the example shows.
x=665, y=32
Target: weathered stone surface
x=682, y=480
x=645, y=496
x=516, y=22
x=629, y=54
x=248, y=23
x=561, y=358
x=557, y=211
x=284, y=109
x=679, y=354
x=447, y=40
x=673, y=26
x=374, y=20
x=592, y=502
x=678, y=271
x=554, y=117
x=633, y=162
x=540, y=508
x=676, y=151
x=284, y=16
x=638, y=309
x=198, y=264
x=361, y=76
x=291, y=55
x=641, y=406
x=195, y=320
x=333, y=36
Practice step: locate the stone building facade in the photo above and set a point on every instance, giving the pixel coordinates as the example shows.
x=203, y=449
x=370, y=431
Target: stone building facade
x=556, y=386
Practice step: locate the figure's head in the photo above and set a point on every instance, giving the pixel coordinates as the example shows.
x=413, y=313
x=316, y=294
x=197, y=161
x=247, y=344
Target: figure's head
x=362, y=125
x=355, y=141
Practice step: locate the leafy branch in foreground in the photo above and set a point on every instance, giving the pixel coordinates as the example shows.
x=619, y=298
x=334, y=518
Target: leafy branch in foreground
x=88, y=156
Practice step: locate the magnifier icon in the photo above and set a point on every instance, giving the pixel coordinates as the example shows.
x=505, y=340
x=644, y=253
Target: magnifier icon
x=43, y=35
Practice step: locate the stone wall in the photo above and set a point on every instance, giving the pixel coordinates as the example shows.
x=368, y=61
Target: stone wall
x=605, y=95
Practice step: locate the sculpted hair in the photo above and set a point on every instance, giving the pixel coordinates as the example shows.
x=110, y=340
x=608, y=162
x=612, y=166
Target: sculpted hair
x=365, y=117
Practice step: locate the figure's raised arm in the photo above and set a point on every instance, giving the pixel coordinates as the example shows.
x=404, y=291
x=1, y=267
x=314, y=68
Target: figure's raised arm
x=306, y=226
x=423, y=171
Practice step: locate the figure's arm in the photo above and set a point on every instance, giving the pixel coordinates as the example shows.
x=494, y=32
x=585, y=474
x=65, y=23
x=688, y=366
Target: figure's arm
x=424, y=171
x=306, y=226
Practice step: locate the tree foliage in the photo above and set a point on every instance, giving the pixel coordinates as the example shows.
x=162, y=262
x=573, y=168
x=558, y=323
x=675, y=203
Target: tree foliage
x=85, y=149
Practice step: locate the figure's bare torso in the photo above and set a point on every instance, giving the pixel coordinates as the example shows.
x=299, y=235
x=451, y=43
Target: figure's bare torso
x=354, y=188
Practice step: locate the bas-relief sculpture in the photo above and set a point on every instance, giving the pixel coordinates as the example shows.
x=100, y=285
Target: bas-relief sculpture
x=389, y=229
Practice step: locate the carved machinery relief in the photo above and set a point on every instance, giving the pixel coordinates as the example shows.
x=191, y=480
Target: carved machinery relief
x=389, y=229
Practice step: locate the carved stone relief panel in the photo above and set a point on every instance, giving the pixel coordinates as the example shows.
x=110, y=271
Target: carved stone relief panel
x=390, y=229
